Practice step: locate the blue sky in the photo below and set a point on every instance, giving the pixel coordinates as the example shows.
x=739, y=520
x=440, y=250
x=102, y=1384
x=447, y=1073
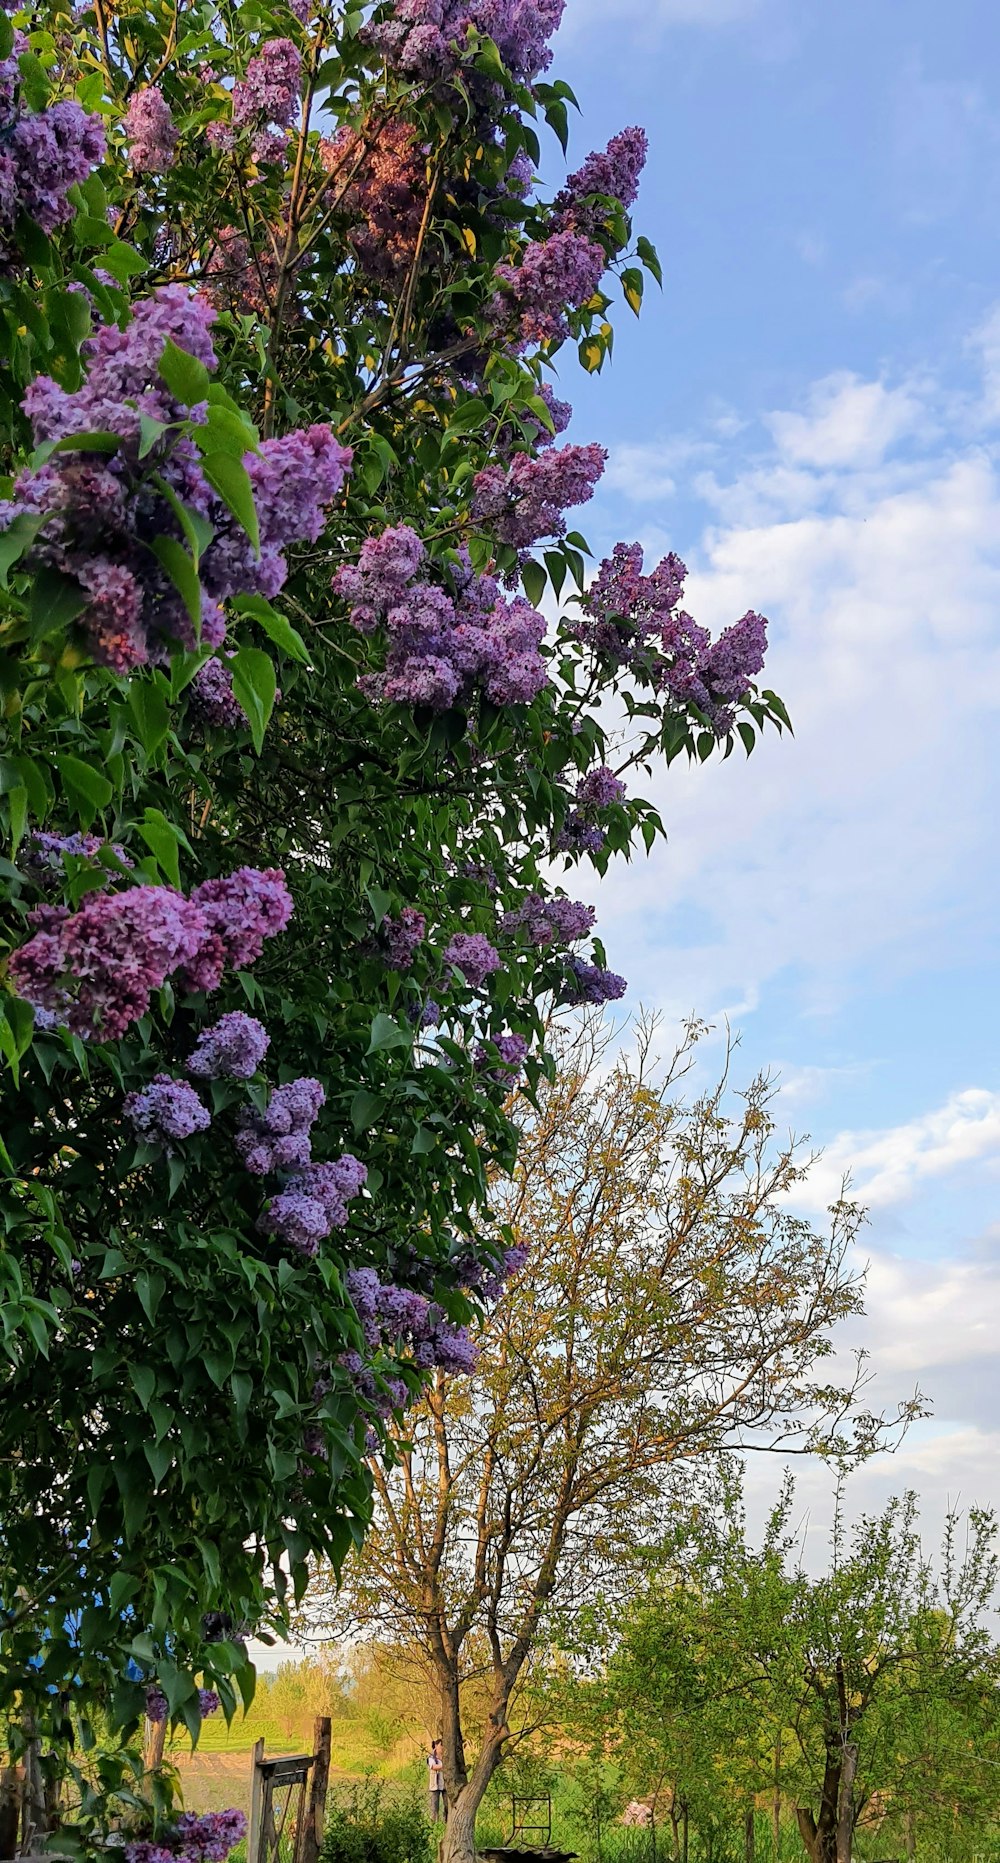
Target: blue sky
x=810, y=415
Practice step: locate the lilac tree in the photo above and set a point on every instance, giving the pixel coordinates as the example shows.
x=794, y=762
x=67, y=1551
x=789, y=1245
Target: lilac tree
x=295, y=777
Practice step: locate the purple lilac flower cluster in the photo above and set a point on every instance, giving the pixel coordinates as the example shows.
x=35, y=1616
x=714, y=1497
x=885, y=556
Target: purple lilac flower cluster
x=211, y=699
x=232, y=1049
x=99, y=511
x=501, y=1058
x=313, y=1203
x=279, y=1138
x=382, y=190
x=42, y=859
x=400, y=938
x=150, y=131
x=613, y=173
x=425, y=39
x=485, y=1276
x=440, y=645
x=549, y=921
x=43, y=153
x=629, y=616
x=197, y=1837
x=527, y=501
x=166, y=1110
x=269, y=95
x=96, y=969
x=580, y=833
x=473, y=955
x=408, y=1322
x=555, y=275
x=589, y=983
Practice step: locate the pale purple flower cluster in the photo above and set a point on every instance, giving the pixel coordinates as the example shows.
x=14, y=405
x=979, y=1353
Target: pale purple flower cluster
x=589, y=983
x=232, y=1049
x=210, y=696
x=166, y=1110
x=612, y=173
x=473, y=955
x=549, y=921
x=243, y=908
x=101, y=511
x=426, y=38
x=527, y=501
x=151, y=132
x=410, y=1322
x=202, y=1837
x=441, y=645
x=42, y=859
x=555, y=275
x=313, y=1203
x=96, y=969
x=631, y=617
x=279, y=1138
x=600, y=788
x=294, y=478
x=400, y=938
x=501, y=1058
x=272, y=87
x=43, y=154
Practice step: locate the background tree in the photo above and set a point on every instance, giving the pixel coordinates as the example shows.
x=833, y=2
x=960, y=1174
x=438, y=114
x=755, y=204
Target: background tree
x=876, y=1683
x=669, y=1307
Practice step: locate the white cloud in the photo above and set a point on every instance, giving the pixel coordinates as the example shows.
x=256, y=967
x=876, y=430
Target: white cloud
x=847, y=423
x=887, y=1167
x=865, y=845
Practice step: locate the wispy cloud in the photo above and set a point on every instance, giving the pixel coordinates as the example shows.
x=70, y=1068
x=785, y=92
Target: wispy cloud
x=887, y=1167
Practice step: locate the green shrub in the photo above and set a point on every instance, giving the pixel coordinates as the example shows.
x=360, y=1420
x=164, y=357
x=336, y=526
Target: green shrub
x=368, y=1824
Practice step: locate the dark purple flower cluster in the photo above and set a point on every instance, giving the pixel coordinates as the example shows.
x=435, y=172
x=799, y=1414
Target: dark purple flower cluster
x=426, y=39
x=555, y=275
x=210, y=696
x=549, y=921
x=400, y=937
x=100, y=511
x=232, y=1049
x=272, y=87
x=166, y=1110
x=473, y=955
x=599, y=789
x=43, y=153
x=630, y=617
x=96, y=969
x=484, y=1276
x=42, y=859
x=441, y=645
x=314, y=1203
x=156, y=1704
x=406, y=1321
x=151, y=132
x=613, y=173
x=579, y=835
x=588, y=983
x=501, y=1058
x=208, y=1702
x=527, y=501
x=279, y=1138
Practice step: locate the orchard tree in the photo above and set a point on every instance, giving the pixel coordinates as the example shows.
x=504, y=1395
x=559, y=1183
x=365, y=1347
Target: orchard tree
x=876, y=1683
x=666, y=1307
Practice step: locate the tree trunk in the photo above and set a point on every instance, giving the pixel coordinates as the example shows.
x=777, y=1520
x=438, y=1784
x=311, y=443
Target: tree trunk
x=458, y=1844
x=749, y=1835
x=776, y=1802
x=845, y=1808
x=820, y=1835
x=684, y=1833
x=10, y=1810
x=910, y=1828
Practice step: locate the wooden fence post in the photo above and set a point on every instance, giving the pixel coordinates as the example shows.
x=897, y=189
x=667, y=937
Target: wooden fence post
x=256, y=1802
x=319, y=1779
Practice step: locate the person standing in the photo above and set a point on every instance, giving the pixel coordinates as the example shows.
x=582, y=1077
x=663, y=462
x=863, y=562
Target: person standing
x=435, y=1784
